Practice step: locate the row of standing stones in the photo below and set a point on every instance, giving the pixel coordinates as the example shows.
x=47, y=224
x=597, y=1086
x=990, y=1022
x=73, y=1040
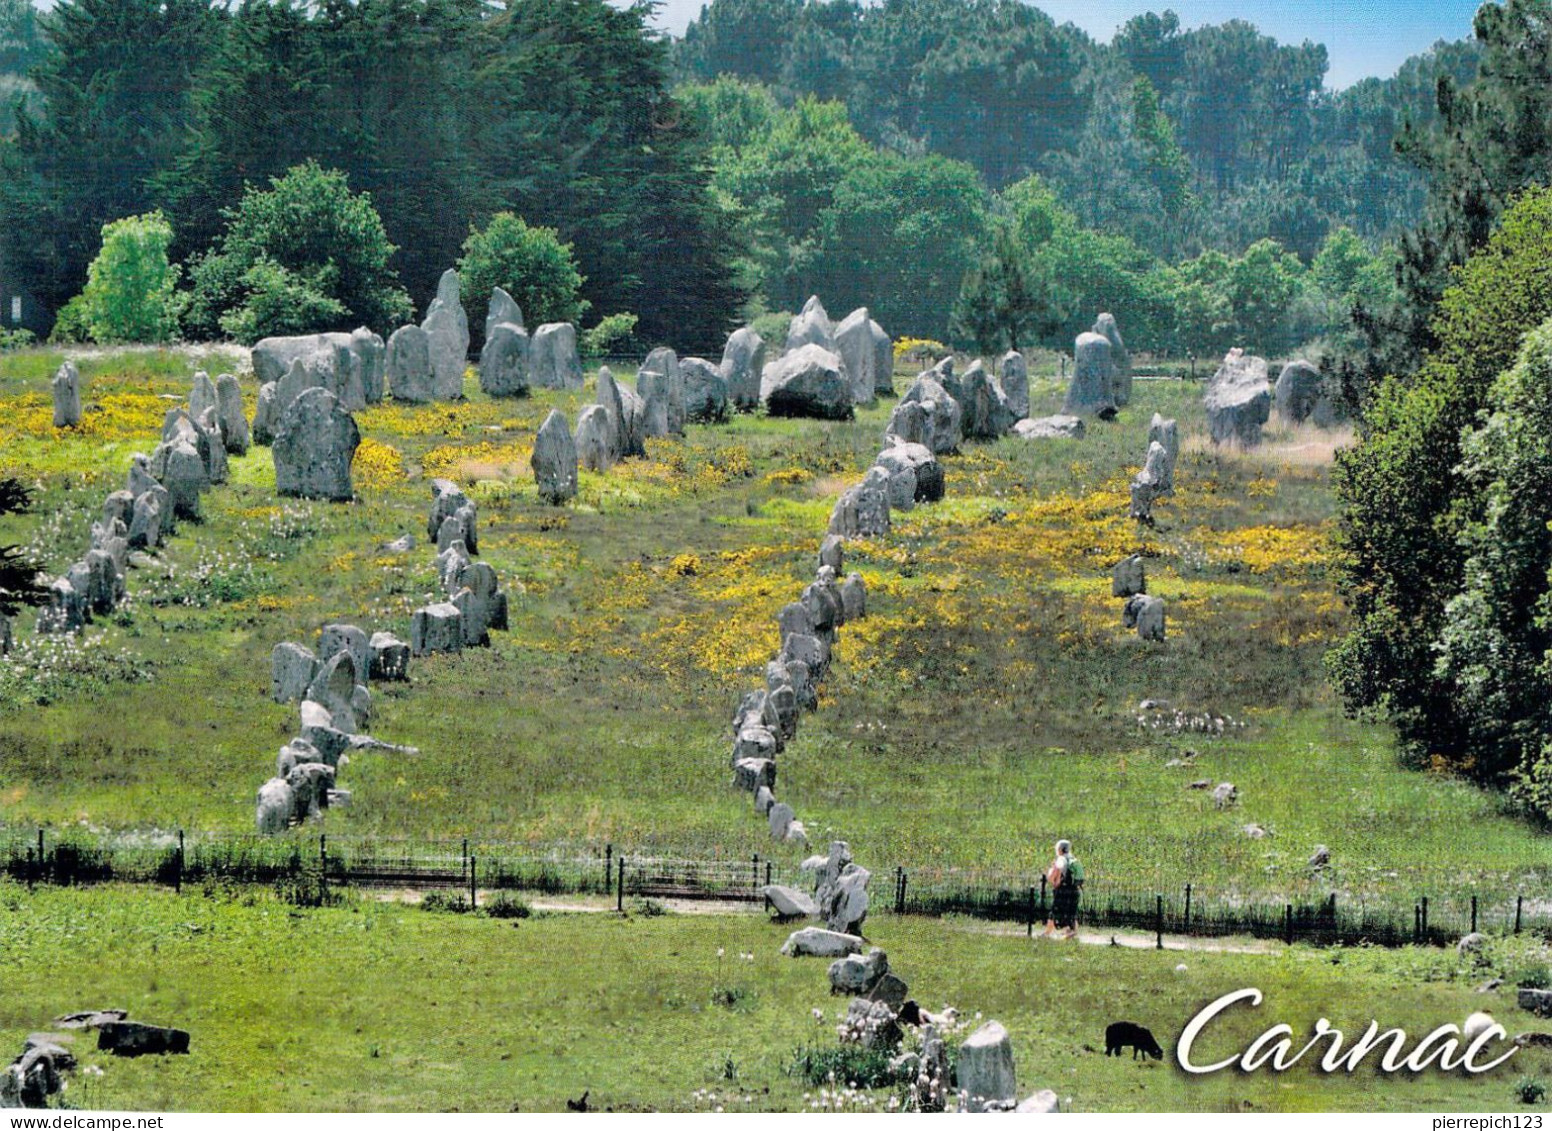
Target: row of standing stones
x=812, y=379
x=331, y=682
x=38, y=1072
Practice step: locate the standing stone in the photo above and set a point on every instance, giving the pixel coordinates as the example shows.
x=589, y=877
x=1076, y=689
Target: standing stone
x=202, y=395
x=212, y=449
x=854, y=597
x=6, y=636
x=1298, y=391
x=1014, y=375
x=811, y=328
x=807, y=381
x=832, y=553
x=184, y=474
x=265, y=416
x=479, y=605
x=743, y=359
x=883, y=361
x=314, y=447
x=854, y=342
x=862, y=511
x=1147, y=485
x=503, y=309
x=553, y=359
x=594, y=439
x=705, y=392
x=985, y=1069
x=1166, y=433
x=372, y=355
x=409, y=371
x=390, y=657
x=276, y=806
x=625, y=416
x=985, y=412
x=942, y=409
x=1146, y=614
x=292, y=668
x=145, y=524
x=1238, y=400
x=449, y=501
x=660, y=384
x=229, y=413
x=554, y=460
x=779, y=820
x=504, y=361
x=66, y=388
x=119, y=506
x=1093, y=378
x=447, y=326
x=104, y=583
x=909, y=422
x=436, y=628
x=1120, y=359
x=1128, y=578
x=915, y=476
x=336, y=638
x=65, y=611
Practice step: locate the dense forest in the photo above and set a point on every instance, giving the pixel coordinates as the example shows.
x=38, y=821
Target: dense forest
x=912, y=156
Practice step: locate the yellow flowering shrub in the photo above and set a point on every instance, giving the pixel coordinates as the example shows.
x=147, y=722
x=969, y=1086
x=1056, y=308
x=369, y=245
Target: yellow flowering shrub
x=377, y=464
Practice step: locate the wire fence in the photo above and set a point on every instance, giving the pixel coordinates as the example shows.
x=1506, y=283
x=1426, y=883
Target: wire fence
x=1310, y=916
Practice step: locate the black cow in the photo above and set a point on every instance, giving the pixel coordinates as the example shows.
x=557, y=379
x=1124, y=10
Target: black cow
x=1123, y=1033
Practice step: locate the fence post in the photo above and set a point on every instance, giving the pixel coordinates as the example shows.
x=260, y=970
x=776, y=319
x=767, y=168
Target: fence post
x=1473, y=914
x=767, y=873
x=608, y=866
x=1331, y=916
x=1288, y=924
x=1425, y=919
x=42, y=866
x=1159, y=910
x=905, y=878
x=474, y=899
x=178, y=876
x=619, y=891
x=754, y=875
x=1043, y=914
x=1519, y=906
x=1417, y=923
x=32, y=870
x=323, y=850
x=1031, y=911
x=1187, y=929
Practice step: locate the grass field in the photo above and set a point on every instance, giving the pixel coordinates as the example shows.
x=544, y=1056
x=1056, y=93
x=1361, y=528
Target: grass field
x=987, y=705
x=383, y=1006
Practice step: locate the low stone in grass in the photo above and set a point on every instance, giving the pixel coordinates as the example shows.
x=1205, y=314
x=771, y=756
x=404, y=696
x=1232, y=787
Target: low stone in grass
x=817, y=942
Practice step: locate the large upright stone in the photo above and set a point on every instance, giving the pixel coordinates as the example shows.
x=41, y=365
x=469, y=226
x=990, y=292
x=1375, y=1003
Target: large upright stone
x=1298, y=391
x=1093, y=377
x=554, y=362
x=854, y=342
x=183, y=473
x=626, y=416
x=943, y=411
x=594, y=439
x=660, y=384
x=292, y=668
x=372, y=354
x=915, y=476
x=447, y=326
x=348, y=365
x=409, y=371
x=202, y=394
x=503, y=309
x=1238, y=400
x=812, y=327
x=705, y=392
x=504, y=361
x=554, y=460
x=1166, y=433
x=1129, y=577
x=985, y=412
x=743, y=359
x=436, y=628
x=336, y=638
x=314, y=447
x=230, y=415
x=807, y=381
x=1149, y=483
x=985, y=1070
x=66, y=388
x=1120, y=359
x=862, y=511
x=275, y=807
x=883, y=361
x=1013, y=373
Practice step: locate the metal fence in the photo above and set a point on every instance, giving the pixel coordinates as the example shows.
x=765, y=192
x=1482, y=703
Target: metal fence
x=1324, y=918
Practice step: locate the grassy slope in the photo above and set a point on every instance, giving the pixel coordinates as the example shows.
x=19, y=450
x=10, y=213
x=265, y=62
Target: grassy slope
x=987, y=705
x=378, y=1006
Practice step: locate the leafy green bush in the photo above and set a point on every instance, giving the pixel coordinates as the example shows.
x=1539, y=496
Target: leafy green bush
x=1530, y=1090
x=305, y=255
x=843, y=1064
x=308, y=888
x=505, y=905
x=1532, y=976
x=611, y=335
x=531, y=264
x=445, y=902
x=17, y=339
x=130, y=293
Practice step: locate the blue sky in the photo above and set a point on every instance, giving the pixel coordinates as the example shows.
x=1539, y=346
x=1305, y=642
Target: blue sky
x=1362, y=37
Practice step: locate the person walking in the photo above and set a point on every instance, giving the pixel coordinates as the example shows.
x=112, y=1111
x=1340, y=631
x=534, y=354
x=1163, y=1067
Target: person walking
x=1065, y=877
